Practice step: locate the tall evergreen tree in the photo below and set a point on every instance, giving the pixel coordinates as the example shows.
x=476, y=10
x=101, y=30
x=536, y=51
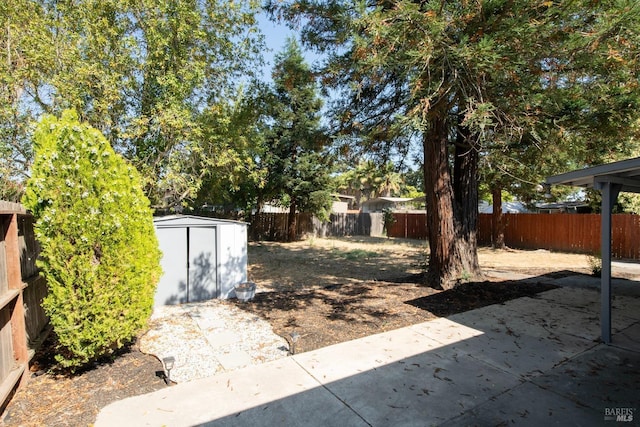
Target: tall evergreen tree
x=100, y=254
x=298, y=167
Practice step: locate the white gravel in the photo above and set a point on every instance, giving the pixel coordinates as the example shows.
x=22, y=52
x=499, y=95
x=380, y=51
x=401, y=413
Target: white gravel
x=210, y=337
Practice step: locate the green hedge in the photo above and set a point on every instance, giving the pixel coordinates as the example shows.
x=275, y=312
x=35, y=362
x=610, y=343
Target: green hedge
x=100, y=254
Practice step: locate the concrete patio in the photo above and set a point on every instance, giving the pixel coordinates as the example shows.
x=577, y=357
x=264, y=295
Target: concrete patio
x=531, y=361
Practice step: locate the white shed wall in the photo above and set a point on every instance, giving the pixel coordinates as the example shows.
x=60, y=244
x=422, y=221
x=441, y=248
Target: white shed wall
x=217, y=252
x=232, y=256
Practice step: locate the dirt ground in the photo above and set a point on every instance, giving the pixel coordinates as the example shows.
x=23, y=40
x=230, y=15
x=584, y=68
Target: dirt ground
x=314, y=263
x=333, y=290
x=325, y=290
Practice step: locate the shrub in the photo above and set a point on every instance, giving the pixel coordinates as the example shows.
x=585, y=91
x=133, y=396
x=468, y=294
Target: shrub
x=388, y=218
x=595, y=263
x=99, y=254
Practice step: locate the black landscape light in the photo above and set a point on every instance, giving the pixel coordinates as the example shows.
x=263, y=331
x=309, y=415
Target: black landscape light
x=168, y=363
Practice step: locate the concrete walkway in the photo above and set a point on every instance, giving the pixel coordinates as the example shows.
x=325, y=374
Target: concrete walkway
x=531, y=361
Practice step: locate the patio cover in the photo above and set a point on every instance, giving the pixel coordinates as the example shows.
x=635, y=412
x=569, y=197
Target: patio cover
x=610, y=179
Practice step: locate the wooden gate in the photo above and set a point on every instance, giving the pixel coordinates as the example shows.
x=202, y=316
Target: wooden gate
x=23, y=323
x=13, y=339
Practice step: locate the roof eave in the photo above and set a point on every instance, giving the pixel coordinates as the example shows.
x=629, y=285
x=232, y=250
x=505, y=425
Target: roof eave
x=625, y=173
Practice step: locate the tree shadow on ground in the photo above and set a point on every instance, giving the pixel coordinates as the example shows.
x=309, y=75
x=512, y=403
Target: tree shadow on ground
x=341, y=312
x=339, y=298
x=472, y=295
x=336, y=313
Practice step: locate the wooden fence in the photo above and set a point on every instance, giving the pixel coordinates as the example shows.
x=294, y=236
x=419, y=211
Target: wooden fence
x=274, y=226
x=409, y=226
x=578, y=233
x=36, y=321
x=22, y=320
x=350, y=224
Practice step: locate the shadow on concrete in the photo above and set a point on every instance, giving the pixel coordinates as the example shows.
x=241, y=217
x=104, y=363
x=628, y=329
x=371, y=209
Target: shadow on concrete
x=535, y=360
x=472, y=295
x=530, y=361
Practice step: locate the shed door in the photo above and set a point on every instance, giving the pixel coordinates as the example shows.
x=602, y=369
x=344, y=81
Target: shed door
x=172, y=288
x=202, y=268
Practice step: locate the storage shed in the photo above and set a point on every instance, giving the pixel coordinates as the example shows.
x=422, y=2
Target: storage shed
x=203, y=258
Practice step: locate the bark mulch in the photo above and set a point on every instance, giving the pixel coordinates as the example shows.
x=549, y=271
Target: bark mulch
x=55, y=398
x=338, y=313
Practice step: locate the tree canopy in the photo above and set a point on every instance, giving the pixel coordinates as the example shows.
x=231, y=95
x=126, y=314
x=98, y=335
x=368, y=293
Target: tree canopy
x=545, y=83
x=368, y=179
x=151, y=75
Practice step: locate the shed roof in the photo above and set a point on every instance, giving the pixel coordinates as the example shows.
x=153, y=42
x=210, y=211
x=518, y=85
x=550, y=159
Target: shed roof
x=625, y=172
x=343, y=196
x=192, y=221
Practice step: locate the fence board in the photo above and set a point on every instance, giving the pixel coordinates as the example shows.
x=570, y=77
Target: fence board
x=28, y=246
x=7, y=361
x=577, y=233
x=408, y=226
x=13, y=343
x=4, y=282
x=274, y=226
x=350, y=224
x=36, y=320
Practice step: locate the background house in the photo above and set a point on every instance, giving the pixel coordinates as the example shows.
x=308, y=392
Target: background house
x=380, y=204
x=564, y=207
x=343, y=203
x=507, y=207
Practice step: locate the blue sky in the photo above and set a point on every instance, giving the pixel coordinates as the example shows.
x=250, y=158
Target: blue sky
x=275, y=37
x=275, y=33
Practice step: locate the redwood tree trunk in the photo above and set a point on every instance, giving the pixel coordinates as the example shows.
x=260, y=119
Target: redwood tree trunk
x=497, y=220
x=465, y=184
x=292, y=222
x=452, y=239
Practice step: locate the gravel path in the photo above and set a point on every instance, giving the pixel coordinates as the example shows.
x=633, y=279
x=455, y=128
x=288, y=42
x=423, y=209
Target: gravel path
x=210, y=337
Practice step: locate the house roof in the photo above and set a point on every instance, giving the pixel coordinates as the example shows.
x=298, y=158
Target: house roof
x=343, y=196
x=625, y=173
x=388, y=199
x=507, y=207
x=562, y=205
